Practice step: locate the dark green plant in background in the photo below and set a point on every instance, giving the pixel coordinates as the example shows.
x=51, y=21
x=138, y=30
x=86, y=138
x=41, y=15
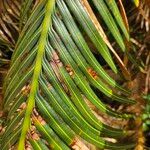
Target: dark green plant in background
x=146, y=114
x=56, y=75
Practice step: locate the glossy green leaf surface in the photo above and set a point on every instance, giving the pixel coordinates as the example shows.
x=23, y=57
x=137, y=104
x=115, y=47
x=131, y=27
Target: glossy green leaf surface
x=53, y=74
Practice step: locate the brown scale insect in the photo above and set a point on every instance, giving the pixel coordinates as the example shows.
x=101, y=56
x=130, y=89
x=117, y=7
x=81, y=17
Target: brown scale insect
x=36, y=116
x=56, y=59
x=92, y=73
x=26, y=90
x=70, y=70
x=49, y=86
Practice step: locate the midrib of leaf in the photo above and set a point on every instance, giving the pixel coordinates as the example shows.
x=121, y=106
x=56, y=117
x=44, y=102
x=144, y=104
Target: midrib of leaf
x=37, y=70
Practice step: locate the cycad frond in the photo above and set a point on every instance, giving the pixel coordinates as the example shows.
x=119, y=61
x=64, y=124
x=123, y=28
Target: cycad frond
x=53, y=69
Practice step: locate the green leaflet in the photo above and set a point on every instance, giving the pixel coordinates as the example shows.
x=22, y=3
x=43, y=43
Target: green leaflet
x=27, y=39
x=53, y=140
x=25, y=11
x=33, y=22
x=54, y=121
x=12, y=139
x=23, y=50
x=12, y=124
x=10, y=97
x=107, y=17
x=38, y=145
x=113, y=6
x=20, y=99
x=24, y=65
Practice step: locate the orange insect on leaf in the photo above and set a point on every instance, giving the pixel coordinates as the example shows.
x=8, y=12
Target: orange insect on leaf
x=92, y=73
